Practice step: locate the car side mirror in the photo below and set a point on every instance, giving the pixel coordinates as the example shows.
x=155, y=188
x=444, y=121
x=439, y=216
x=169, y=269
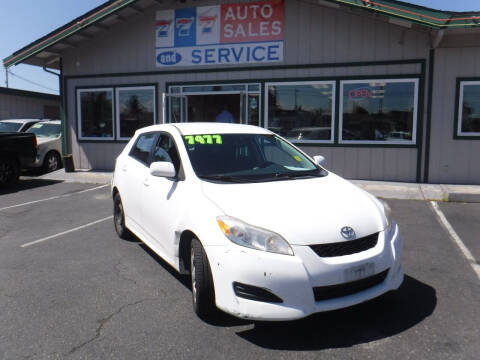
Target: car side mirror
x=162, y=169
x=320, y=160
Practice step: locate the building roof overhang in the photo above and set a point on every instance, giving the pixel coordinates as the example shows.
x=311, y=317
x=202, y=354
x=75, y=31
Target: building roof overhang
x=47, y=50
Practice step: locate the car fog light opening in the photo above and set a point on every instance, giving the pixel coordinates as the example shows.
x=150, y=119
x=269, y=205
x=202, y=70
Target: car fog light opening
x=256, y=293
x=253, y=237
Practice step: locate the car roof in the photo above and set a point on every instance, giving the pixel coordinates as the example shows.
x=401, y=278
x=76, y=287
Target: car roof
x=57, y=122
x=20, y=121
x=208, y=128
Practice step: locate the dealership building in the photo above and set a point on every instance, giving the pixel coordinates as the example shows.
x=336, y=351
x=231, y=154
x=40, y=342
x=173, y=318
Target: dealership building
x=385, y=90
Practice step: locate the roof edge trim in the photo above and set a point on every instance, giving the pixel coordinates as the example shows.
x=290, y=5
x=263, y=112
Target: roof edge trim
x=437, y=19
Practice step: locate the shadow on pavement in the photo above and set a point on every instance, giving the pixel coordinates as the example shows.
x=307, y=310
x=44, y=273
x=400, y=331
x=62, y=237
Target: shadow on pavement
x=183, y=279
x=380, y=318
x=27, y=184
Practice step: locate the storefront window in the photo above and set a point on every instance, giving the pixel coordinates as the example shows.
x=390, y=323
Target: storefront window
x=135, y=109
x=469, y=109
x=378, y=111
x=301, y=111
x=95, y=113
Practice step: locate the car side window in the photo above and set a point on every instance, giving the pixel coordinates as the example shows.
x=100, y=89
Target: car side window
x=165, y=150
x=142, y=148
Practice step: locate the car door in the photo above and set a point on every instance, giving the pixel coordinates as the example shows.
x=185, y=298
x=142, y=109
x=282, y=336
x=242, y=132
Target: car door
x=162, y=199
x=135, y=172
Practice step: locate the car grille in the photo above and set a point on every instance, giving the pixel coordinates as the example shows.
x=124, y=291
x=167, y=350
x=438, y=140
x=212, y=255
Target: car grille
x=346, y=247
x=335, y=291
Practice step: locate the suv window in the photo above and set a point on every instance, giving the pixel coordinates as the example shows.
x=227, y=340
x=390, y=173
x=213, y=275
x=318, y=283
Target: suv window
x=142, y=148
x=165, y=150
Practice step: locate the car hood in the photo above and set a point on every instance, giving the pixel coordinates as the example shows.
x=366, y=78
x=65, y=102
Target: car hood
x=303, y=211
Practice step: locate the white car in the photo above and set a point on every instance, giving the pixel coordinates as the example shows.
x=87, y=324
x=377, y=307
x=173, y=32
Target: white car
x=49, y=141
x=265, y=231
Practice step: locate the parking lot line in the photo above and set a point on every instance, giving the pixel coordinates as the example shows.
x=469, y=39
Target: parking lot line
x=65, y=232
x=453, y=234
x=54, y=197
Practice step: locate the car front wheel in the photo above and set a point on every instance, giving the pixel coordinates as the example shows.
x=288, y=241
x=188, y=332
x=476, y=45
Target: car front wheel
x=203, y=293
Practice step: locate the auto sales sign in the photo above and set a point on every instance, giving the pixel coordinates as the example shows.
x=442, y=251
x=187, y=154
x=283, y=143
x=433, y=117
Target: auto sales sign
x=245, y=33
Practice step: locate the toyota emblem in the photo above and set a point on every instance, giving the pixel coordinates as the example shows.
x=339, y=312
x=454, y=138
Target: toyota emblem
x=347, y=232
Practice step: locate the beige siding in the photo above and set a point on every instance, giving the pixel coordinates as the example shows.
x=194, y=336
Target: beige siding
x=23, y=107
x=452, y=160
x=313, y=35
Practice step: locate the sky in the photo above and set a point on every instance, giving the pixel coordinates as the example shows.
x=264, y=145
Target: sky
x=24, y=21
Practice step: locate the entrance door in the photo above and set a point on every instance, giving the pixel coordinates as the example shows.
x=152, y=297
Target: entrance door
x=215, y=108
x=233, y=103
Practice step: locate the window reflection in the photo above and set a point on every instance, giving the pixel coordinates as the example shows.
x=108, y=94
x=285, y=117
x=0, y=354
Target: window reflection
x=96, y=114
x=470, y=116
x=136, y=109
x=301, y=111
x=378, y=110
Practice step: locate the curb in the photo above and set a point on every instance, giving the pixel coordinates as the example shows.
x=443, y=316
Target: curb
x=463, y=197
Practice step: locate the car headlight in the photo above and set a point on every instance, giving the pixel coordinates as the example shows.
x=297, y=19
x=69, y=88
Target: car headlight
x=253, y=237
x=388, y=214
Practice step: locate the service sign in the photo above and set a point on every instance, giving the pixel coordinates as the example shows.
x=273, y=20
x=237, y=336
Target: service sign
x=244, y=33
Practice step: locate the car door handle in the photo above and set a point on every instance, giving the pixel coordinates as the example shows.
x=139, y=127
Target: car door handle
x=124, y=168
x=145, y=182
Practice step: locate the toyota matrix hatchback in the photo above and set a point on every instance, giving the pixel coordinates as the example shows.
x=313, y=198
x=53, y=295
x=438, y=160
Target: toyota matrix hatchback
x=265, y=232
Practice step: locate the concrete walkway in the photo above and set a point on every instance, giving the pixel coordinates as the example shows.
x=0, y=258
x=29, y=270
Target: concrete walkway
x=383, y=189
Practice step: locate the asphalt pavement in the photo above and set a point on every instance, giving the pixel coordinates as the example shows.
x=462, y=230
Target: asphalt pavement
x=71, y=289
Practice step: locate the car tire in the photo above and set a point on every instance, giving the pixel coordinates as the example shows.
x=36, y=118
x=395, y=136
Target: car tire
x=119, y=218
x=9, y=171
x=203, y=292
x=51, y=162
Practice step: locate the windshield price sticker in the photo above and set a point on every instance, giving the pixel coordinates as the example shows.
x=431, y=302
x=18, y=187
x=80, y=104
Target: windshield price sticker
x=204, y=139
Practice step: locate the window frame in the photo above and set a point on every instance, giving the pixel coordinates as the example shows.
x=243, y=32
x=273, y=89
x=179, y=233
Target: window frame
x=457, y=129
x=117, y=106
x=416, y=82
x=79, y=113
x=313, y=82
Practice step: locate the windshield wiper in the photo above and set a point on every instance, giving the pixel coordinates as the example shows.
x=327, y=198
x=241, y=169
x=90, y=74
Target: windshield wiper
x=227, y=178
x=289, y=176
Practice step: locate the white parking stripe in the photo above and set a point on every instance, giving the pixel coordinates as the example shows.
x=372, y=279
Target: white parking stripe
x=54, y=197
x=456, y=238
x=66, y=232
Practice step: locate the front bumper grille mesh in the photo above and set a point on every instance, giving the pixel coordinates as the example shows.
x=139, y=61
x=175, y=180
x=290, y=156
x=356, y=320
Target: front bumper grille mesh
x=335, y=291
x=346, y=247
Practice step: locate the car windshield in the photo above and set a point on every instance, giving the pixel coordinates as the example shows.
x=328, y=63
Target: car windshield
x=247, y=158
x=9, y=126
x=45, y=130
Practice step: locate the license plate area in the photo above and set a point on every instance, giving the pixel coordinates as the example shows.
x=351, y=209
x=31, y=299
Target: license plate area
x=359, y=272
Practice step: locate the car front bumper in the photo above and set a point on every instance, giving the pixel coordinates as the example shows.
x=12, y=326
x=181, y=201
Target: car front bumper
x=292, y=278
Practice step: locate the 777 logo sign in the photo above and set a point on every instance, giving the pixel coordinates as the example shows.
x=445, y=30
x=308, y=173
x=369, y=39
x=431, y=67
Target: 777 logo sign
x=163, y=27
x=184, y=25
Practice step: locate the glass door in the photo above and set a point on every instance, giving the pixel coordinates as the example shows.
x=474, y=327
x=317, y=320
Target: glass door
x=229, y=103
